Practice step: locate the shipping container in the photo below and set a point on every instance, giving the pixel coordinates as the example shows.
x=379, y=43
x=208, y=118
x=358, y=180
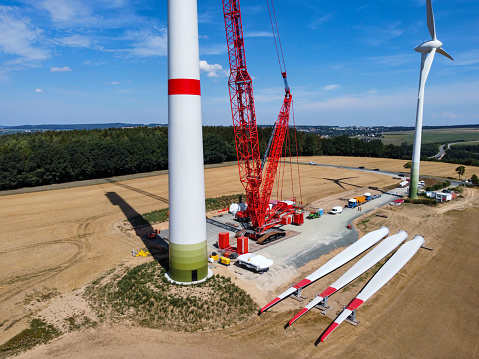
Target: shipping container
x=223, y=240
x=242, y=245
x=298, y=219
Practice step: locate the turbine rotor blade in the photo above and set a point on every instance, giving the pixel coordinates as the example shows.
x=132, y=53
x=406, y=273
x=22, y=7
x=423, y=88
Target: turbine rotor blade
x=444, y=53
x=427, y=67
x=430, y=19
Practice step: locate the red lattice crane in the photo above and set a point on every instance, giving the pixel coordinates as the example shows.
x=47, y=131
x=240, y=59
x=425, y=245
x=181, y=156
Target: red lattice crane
x=258, y=182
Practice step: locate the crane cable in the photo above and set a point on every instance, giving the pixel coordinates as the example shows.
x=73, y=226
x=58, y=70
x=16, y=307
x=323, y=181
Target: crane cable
x=277, y=42
x=282, y=68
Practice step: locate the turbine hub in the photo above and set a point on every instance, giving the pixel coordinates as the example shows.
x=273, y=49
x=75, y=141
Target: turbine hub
x=426, y=47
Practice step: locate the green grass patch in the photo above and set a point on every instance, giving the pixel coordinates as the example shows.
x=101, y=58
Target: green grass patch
x=458, y=189
x=161, y=215
x=438, y=186
x=213, y=204
x=143, y=295
x=39, y=332
x=424, y=200
x=364, y=223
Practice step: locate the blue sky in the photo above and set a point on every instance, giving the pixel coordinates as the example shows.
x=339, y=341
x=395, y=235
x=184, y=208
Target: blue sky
x=348, y=62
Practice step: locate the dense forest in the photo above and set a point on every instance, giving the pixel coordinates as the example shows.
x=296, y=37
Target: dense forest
x=41, y=158
x=463, y=154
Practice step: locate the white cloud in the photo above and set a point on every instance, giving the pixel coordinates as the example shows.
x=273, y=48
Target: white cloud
x=113, y=83
x=331, y=87
x=394, y=60
x=376, y=35
x=218, y=49
x=75, y=41
x=149, y=43
x=19, y=37
x=467, y=58
x=60, y=69
x=38, y=90
x=66, y=10
x=258, y=34
x=314, y=25
x=214, y=70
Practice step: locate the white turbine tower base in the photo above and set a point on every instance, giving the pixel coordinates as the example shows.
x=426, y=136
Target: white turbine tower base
x=427, y=49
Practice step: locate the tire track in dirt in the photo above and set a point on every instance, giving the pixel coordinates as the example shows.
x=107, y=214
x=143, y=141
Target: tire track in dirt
x=469, y=197
x=81, y=241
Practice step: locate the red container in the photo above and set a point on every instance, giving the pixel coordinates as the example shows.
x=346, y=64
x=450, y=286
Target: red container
x=223, y=240
x=454, y=195
x=242, y=245
x=298, y=219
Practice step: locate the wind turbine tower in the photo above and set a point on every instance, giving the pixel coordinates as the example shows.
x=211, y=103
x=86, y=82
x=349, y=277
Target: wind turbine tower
x=188, y=255
x=427, y=49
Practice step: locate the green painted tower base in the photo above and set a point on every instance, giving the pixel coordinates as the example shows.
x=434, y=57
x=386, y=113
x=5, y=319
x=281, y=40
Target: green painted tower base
x=414, y=180
x=188, y=262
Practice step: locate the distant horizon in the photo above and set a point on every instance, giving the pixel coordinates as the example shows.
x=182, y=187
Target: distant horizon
x=123, y=124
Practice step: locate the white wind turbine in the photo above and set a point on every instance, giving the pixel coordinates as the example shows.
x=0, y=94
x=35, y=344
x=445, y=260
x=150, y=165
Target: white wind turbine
x=427, y=49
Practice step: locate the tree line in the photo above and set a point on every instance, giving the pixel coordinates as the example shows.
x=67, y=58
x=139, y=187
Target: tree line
x=35, y=159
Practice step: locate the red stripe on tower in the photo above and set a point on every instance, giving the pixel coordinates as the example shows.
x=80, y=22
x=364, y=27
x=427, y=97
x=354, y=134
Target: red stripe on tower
x=184, y=87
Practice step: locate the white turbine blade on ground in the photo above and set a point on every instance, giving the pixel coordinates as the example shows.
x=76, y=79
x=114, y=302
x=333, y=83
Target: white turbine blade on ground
x=363, y=265
x=444, y=53
x=388, y=270
x=430, y=19
x=384, y=275
x=341, y=318
x=355, y=249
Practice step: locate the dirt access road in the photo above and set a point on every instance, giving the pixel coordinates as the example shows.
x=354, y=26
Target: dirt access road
x=60, y=240
x=426, y=311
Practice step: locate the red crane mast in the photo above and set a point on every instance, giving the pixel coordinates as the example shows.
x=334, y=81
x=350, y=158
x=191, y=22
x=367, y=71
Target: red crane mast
x=258, y=185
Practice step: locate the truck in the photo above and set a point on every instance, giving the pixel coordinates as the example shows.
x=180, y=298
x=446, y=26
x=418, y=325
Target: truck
x=356, y=201
x=336, y=210
x=316, y=214
x=368, y=196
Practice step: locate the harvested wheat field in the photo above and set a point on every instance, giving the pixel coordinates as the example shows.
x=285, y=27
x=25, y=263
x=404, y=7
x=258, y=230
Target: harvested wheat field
x=56, y=242
x=434, y=169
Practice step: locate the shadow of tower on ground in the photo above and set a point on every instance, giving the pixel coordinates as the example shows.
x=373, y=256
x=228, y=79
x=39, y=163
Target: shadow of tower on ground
x=158, y=247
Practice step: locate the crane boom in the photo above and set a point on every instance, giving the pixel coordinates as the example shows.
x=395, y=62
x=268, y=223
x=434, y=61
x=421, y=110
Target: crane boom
x=242, y=108
x=258, y=184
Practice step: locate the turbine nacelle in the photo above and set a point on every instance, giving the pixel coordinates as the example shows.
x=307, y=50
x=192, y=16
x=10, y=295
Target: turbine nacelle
x=428, y=46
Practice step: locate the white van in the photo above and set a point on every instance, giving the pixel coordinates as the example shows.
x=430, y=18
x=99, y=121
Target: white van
x=336, y=210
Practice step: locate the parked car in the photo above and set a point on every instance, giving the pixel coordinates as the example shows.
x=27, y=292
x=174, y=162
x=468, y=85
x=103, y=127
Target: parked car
x=361, y=167
x=376, y=169
x=336, y=210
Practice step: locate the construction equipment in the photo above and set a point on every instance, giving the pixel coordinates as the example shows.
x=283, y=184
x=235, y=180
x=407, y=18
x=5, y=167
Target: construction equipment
x=142, y=253
x=225, y=261
x=256, y=175
x=316, y=214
